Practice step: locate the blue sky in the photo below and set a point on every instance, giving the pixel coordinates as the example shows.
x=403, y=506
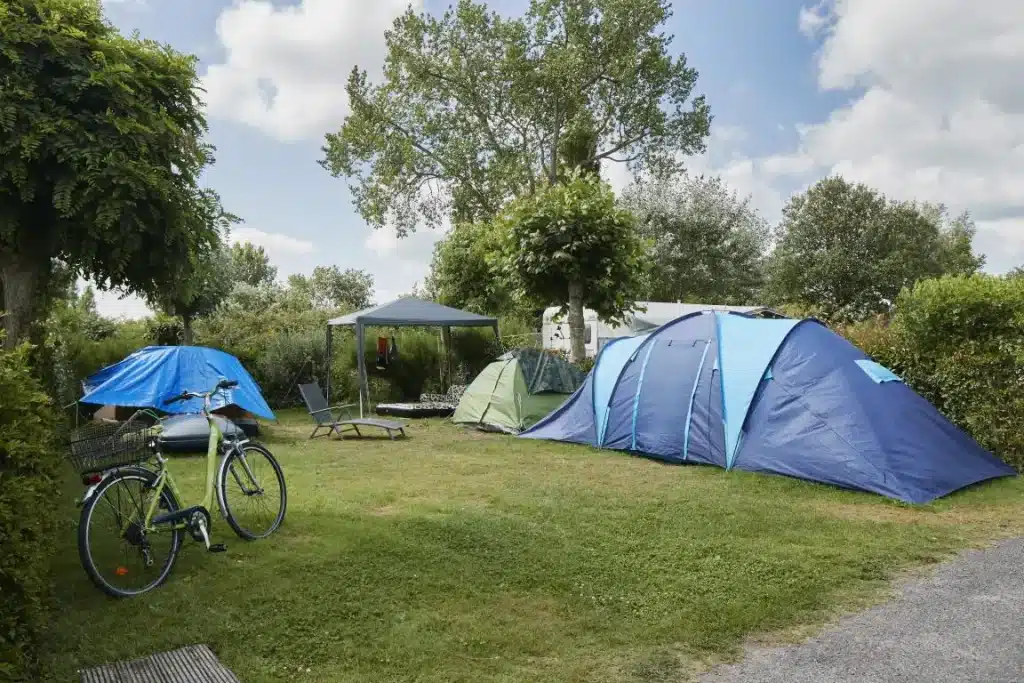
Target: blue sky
x=797, y=91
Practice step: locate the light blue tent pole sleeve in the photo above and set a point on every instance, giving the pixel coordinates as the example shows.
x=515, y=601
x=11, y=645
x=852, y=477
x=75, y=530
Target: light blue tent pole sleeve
x=639, y=387
x=606, y=373
x=693, y=397
x=746, y=347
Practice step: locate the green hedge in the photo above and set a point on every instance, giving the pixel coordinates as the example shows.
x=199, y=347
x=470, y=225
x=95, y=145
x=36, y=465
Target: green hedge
x=959, y=342
x=29, y=490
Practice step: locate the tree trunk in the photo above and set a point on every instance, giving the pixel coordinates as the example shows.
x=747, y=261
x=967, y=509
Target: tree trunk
x=578, y=350
x=186, y=330
x=20, y=278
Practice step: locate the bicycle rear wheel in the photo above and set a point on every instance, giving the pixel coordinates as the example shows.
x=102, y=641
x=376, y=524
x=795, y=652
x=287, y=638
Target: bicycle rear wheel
x=120, y=557
x=252, y=491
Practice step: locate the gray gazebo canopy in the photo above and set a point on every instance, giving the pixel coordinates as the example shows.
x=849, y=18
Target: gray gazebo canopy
x=407, y=312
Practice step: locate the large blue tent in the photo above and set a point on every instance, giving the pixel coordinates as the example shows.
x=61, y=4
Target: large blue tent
x=785, y=396
x=149, y=376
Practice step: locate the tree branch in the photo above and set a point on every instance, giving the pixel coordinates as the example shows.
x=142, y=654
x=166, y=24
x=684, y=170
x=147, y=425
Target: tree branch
x=618, y=148
x=433, y=156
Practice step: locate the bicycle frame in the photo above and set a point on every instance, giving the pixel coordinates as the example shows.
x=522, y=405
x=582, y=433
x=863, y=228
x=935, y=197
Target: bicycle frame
x=164, y=477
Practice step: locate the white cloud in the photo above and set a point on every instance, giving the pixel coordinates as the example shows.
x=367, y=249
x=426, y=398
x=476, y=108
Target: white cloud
x=382, y=241
x=938, y=114
x=286, y=67
x=274, y=243
x=812, y=20
x=405, y=261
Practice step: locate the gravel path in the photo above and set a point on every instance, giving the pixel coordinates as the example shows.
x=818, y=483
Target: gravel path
x=964, y=624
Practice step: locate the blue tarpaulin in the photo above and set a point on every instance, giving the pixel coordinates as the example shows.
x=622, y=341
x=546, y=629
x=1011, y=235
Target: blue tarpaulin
x=787, y=397
x=151, y=375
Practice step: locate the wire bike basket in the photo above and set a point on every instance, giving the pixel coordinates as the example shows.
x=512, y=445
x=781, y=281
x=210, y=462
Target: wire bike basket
x=101, y=446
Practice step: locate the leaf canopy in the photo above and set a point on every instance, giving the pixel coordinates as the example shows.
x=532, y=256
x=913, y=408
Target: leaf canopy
x=846, y=251
x=101, y=147
x=705, y=243
x=573, y=232
x=475, y=109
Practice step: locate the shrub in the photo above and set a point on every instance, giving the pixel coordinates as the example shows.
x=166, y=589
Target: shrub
x=29, y=462
x=959, y=342
x=586, y=364
x=416, y=369
x=279, y=347
x=286, y=360
x=165, y=330
x=79, y=342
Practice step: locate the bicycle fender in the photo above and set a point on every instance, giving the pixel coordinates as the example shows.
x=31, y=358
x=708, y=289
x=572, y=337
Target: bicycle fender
x=91, y=491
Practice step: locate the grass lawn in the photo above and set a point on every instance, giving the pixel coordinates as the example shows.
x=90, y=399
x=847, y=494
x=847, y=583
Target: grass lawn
x=458, y=556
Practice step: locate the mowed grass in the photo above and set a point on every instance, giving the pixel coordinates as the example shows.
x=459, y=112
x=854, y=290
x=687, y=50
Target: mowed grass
x=460, y=556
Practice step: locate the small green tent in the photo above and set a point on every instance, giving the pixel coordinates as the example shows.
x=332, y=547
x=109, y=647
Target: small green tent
x=517, y=390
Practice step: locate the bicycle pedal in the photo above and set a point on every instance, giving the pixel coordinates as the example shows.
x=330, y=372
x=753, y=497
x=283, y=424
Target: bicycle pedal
x=217, y=548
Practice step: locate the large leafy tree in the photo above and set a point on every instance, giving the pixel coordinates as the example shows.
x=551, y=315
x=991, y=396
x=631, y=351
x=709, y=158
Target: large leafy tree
x=200, y=293
x=845, y=251
x=568, y=244
x=475, y=109
x=207, y=278
x=466, y=270
x=251, y=265
x=100, y=150
x=706, y=244
x=330, y=288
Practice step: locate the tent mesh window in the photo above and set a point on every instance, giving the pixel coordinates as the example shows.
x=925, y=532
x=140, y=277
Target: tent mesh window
x=98, y=446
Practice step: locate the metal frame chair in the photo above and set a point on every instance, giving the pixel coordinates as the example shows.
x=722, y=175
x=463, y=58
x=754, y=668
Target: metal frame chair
x=340, y=422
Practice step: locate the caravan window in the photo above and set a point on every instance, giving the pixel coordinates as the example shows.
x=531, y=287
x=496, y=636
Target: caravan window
x=588, y=334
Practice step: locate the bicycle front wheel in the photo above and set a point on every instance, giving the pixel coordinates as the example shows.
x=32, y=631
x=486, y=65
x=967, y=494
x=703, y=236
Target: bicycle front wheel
x=252, y=491
x=120, y=556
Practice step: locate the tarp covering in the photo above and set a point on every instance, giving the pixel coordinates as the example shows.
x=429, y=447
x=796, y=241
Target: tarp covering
x=517, y=390
x=784, y=397
x=148, y=377
x=412, y=312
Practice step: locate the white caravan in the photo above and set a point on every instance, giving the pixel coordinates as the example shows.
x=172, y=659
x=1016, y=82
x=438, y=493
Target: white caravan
x=597, y=333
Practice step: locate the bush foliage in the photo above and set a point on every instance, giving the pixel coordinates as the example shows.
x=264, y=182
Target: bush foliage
x=959, y=342
x=28, y=517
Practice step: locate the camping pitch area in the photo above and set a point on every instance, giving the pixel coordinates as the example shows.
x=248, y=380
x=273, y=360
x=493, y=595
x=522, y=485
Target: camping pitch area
x=458, y=556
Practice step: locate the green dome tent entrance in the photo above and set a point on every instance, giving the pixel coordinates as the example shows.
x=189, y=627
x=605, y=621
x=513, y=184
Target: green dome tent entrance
x=514, y=392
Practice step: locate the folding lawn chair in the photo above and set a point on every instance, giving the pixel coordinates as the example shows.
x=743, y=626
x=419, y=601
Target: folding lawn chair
x=325, y=417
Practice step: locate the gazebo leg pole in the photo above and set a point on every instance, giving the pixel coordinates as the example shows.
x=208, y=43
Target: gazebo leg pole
x=361, y=367
x=446, y=342
x=330, y=352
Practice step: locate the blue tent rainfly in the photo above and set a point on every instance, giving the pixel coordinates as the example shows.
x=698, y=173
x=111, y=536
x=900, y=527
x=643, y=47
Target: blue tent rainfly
x=787, y=397
x=149, y=376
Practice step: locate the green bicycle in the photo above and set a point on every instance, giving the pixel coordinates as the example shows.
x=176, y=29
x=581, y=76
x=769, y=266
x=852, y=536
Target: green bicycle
x=132, y=522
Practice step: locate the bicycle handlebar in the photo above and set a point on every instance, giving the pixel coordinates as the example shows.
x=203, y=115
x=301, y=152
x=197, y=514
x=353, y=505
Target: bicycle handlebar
x=185, y=395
